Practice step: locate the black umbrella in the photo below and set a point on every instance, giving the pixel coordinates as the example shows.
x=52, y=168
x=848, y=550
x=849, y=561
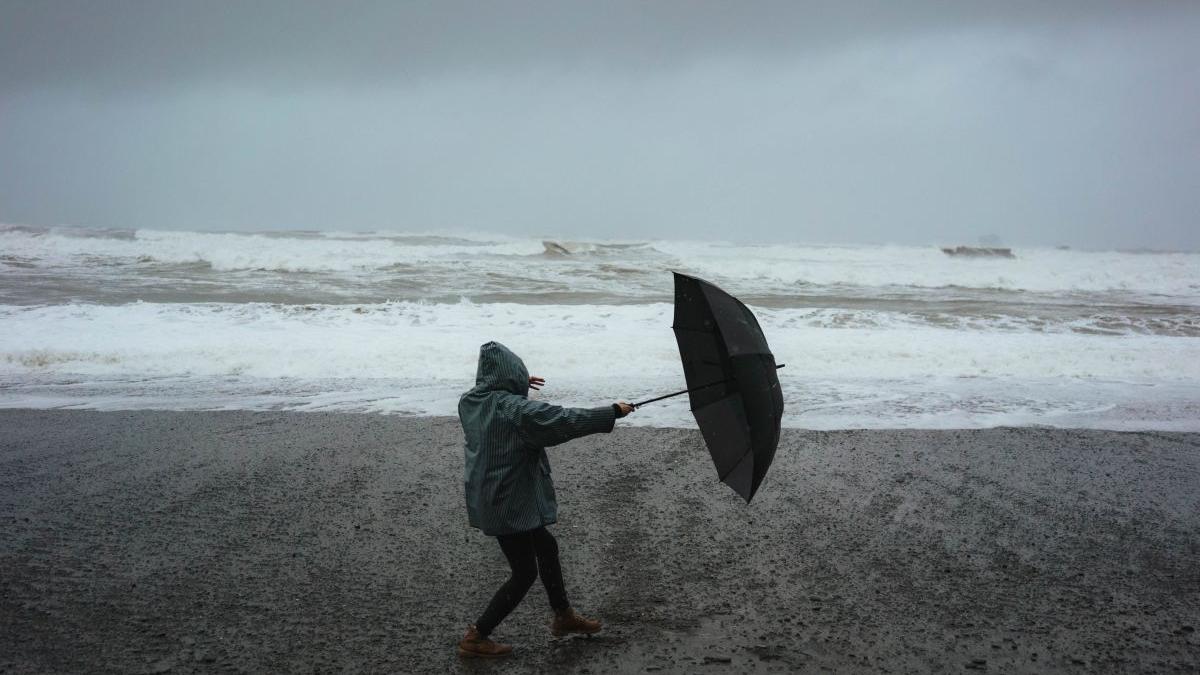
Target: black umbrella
x=731, y=379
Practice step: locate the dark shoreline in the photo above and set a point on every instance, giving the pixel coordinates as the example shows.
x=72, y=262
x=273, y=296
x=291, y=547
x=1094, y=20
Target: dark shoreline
x=294, y=542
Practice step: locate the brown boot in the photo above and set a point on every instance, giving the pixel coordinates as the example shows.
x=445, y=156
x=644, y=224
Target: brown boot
x=567, y=622
x=474, y=645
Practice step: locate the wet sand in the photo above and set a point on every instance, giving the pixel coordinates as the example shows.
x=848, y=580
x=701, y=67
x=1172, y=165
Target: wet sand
x=278, y=542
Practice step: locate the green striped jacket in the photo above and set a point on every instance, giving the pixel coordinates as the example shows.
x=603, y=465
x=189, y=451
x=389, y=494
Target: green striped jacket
x=507, y=474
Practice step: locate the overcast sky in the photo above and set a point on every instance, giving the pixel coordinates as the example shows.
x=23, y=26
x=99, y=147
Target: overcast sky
x=908, y=122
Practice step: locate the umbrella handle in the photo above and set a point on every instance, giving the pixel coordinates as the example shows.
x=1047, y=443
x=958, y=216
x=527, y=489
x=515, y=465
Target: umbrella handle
x=688, y=391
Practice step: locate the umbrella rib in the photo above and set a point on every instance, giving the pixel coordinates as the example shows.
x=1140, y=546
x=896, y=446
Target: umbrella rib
x=735, y=465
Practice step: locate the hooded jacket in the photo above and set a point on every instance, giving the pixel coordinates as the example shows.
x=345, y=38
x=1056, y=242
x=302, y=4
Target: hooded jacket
x=507, y=474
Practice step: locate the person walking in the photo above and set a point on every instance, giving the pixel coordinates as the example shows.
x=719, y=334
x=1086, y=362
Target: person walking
x=509, y=492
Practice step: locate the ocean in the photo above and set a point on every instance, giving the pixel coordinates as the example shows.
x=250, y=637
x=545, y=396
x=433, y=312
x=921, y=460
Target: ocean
x=874, y=336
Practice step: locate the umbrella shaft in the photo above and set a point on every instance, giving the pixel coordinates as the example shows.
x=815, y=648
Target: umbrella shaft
x=688, y=391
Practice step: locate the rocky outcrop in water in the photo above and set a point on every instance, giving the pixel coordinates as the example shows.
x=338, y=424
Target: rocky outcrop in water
x=978, y=252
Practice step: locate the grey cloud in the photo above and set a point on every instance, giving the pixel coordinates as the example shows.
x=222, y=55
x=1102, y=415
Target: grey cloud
x=290, y=43
x=1043, y=123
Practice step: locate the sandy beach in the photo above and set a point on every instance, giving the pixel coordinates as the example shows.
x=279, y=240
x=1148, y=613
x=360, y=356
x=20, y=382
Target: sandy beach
x=300, y=542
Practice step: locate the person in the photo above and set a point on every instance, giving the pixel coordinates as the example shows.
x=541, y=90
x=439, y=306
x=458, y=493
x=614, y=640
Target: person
x=509, y=492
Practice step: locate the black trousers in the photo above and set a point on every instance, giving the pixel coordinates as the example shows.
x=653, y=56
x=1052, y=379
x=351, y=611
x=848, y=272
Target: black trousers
x=529, y=554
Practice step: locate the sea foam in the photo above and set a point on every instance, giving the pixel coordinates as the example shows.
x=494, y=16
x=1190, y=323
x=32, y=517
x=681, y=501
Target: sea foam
x=390, y=322
x=776, y=269
x=418, y=356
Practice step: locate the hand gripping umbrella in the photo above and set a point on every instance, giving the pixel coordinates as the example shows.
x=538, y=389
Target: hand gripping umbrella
x=731, y=379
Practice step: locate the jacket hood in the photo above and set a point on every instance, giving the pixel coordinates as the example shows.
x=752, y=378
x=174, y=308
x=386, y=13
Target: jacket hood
x=500, y=370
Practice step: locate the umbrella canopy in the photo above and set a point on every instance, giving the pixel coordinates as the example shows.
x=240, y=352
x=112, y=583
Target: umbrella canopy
x=732, y=384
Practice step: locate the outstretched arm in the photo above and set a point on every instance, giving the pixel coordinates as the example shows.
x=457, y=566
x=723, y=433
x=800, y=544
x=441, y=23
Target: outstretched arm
x=543, y=424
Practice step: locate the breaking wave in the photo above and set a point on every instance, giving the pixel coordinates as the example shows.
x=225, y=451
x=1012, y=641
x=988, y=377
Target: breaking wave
x=377, y=321
x=427, y=341
x=777, y=269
